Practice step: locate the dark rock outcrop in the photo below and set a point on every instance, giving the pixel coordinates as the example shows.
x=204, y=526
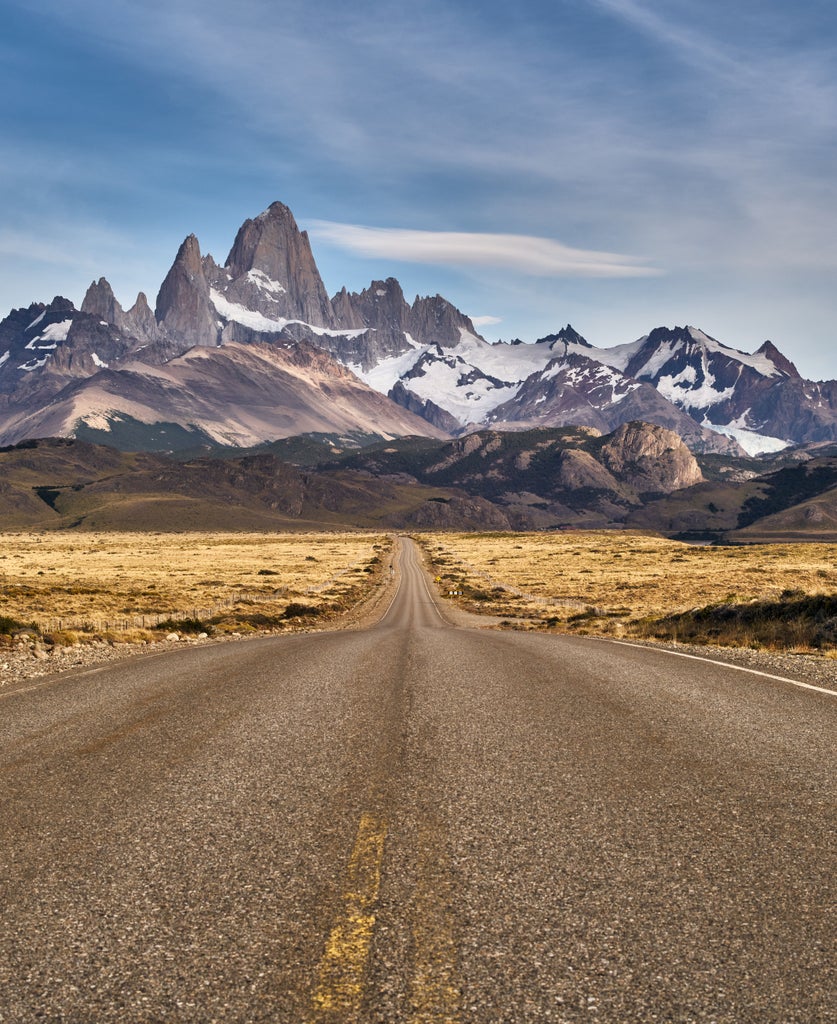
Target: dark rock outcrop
x=651, y=459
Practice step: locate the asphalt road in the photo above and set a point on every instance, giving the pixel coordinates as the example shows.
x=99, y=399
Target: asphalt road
x=416, y=822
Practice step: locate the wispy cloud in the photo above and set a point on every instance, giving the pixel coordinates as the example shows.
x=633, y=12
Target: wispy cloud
x=524, y=254
x=753, y=55
x=48, y=251
x=692, y=45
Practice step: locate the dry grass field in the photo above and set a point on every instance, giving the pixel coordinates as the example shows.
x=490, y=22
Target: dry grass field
x=618, y=583
x=130, y=582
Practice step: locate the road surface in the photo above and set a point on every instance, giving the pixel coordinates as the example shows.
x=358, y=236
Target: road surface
x=416, y=822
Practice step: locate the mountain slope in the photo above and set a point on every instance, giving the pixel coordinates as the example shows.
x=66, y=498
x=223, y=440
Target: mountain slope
x=546, y=477
x=638, y=476
x=235, y=394
x=70, y=484
x=796, y=502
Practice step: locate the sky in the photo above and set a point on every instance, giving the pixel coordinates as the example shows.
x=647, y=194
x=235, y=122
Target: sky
x=614, y=164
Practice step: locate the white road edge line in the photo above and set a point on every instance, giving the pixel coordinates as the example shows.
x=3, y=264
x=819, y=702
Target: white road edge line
x=430, y=597
x=394, y=597
x=398, y=556
x=714, y=661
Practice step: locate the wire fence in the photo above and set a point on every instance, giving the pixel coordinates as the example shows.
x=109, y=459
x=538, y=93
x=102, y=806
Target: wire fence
x=150, y=620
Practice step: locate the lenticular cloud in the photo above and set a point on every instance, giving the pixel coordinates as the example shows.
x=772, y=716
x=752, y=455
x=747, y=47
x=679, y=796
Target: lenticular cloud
x=522, y=253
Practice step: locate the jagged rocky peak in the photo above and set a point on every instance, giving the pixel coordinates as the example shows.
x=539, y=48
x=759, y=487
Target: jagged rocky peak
x=272, y=258
x=345, y=317
x=137, y=322
x=380, y=306
x=385, y=294
x=184, y=308
x=669, y=351
x=142, y=316
x=382, y=312
x=262, y=241
x=100, y=301
x=189, y=254
x=434, y=319
x=781, y=362
x=688, y=338
x=566, y=337
x=60, y=305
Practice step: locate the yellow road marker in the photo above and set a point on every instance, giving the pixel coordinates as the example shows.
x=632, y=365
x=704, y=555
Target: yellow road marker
x=340, y=985
x=435, y=995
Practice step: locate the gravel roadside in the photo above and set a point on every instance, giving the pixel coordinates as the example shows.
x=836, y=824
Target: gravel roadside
x=807, y=668
x=30, y=660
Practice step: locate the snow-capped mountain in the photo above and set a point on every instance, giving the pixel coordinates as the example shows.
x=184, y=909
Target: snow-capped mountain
x=680, y=378
x=758, y=397
x=417, y=367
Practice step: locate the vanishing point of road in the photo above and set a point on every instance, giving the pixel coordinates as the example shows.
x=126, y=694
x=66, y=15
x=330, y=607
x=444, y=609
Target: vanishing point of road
x=416, y=822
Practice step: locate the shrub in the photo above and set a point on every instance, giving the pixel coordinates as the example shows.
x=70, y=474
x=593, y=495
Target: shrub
x=588, y=613
x=795, y=620
x=184, y=626
x=62, y=638
x=260, y=620
x=9, y=626
x=295, y=610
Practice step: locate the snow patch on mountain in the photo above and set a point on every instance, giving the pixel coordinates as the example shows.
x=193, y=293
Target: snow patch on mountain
x=589, y=375
x=383, y=376
x=505, y=361
x=52, y=335
x=750, y=440
x=264, y=325
x=247, y=317
x=759, y=362
x=36, y=321
x=618, y=356
x=4, y=358
x=569, y=343
x=459, y=387
x=660, y=356
x=683, y=390
x=264, y=283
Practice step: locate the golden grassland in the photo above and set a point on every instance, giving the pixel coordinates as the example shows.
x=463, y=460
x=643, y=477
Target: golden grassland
x=127, y=581
x=613, y=583
x=78, y=585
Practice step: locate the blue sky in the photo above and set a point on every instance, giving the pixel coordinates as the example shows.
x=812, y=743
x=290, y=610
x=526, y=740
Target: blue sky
x=615, y=164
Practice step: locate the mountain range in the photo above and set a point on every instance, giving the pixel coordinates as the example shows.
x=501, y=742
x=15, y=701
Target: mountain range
x=255, y=350
x=639, y=476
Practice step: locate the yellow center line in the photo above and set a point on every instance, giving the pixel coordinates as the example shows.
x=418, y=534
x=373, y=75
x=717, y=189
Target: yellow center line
x=341, y=973
x=435, y=995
